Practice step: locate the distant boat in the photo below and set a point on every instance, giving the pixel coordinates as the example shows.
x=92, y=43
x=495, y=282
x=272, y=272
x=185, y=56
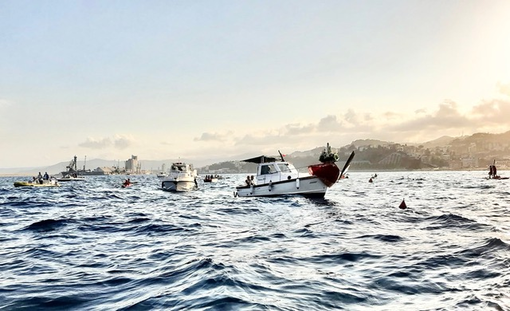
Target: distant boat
x=161, y=175
x=493, y=172
x=71, y=178
x=276, y=178
x=182, y=177
x=211, y=178
x=73, y=171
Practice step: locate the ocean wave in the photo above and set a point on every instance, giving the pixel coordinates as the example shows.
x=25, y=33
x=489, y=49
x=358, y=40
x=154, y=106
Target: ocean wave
x=48, y=225
x=452, y=221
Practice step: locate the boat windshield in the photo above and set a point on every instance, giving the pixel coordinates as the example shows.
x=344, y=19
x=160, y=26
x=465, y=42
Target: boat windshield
x=266, y=169
x=284, y=167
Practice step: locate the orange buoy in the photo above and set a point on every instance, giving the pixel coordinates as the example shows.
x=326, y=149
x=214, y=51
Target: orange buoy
x=402, y=205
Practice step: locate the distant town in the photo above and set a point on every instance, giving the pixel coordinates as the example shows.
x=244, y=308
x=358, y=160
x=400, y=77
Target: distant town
x=475, y=152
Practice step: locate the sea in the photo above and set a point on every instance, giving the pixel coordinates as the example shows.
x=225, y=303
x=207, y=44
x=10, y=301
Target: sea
x=93, y=245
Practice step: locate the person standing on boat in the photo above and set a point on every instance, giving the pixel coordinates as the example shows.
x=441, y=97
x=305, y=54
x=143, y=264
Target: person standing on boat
x=39, y=178
x=46, y=176
x=492, y=171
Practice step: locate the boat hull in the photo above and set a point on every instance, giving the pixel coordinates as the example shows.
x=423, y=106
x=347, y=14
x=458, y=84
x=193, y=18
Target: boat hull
x=31, y=184
x=71, y=179
x=310, y=186
x=328, y=173
x=178, y=185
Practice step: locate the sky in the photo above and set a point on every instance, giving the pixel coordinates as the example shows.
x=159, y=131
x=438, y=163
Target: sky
x=215, y=79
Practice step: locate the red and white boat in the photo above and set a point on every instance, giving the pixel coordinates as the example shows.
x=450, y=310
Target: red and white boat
x=276, y=178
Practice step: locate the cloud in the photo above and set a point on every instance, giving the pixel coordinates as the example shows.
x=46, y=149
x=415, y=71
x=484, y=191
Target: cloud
x=122, y=142
x=5, y=103
x=96, y=143
x=213, y=137
x=494, y=111
x=329, y=128
x=329, y=124
x=298, y=129
x=118, y=142
x=391, y=115
x=504, y=88
x=420, y=125
x=446, y=117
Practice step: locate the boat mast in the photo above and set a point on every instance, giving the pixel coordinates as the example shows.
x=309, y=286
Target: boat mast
x=281, y=156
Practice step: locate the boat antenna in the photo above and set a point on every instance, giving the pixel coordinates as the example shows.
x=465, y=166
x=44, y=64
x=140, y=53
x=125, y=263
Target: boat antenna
x=281, y=156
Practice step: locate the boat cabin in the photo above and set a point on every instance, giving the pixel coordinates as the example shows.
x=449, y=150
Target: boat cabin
x=182, y=167
x=271, y=170
x=275, y=171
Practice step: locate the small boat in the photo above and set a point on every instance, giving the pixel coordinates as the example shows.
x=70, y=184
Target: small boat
x=71, y=178
x=276, y=178
x=493, y=172
x=182, y=177
x=497, y=177
x=37, y=183
x=211, y=178
x=161, y=175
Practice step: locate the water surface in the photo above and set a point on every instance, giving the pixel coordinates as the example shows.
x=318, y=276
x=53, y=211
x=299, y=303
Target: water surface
x=95, y=246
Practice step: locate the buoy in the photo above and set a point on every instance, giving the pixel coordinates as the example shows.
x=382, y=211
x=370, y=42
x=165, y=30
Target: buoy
x=402, y=205
x=370, y=180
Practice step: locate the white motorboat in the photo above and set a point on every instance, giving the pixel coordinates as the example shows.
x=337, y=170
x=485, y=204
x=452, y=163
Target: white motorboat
x=276, y=178
x=182, y=177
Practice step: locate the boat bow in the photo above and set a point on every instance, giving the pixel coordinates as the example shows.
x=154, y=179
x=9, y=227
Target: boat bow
x=327, y=172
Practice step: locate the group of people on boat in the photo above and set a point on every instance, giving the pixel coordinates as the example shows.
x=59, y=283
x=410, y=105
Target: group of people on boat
x=40, y=178
x=493, y=171
x=211, y=177
x=250, y=180
x=43, y=179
